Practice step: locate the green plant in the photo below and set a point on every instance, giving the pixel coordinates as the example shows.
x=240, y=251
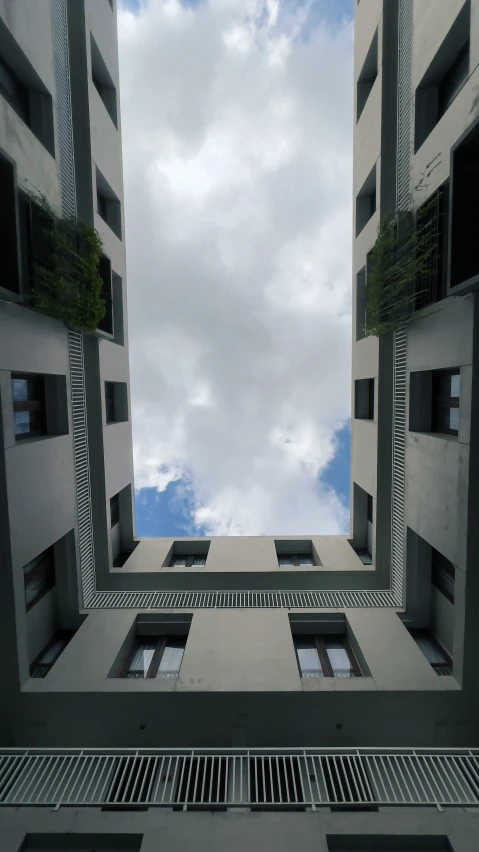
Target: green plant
x=66, y=283
x=399, y=267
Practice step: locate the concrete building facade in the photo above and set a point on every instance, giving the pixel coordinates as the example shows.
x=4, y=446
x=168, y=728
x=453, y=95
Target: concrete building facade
x=251, y=692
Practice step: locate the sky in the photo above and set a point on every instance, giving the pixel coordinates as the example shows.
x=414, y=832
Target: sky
x=237, y=150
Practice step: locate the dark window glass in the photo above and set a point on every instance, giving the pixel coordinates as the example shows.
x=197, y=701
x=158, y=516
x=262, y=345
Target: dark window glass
x=446, y=385
x=39, y=577
x=430, y=222
x=188, y=561
x=370, y=508
x=101, y=205
x=45, y=661
x=432, y=650
x=453, y=81
x=326, y=656
x=154, y=657
x=114, y=510
x=28, y=394
x=14, y=92
x=364, y=556
x=9, y=277
x=110, y=402
x=296, y=559
x=443, y=575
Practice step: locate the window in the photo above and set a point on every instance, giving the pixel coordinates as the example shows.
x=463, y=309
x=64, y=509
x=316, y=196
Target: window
x=453, y=80
x=28, y=394
x=361, y=314
x=444, y=78
x=45, y=661
x=102, y=81
x=188, y=561
x=120, y=559
x=367, y=77
x=154, y=657
x=370, y=509
x=433, y=651
x=110, y=402
x=39, y=577
x=442, y=574
x=464, y=256
x=23, y=90
x=295, y=559
x=116, y=402
x=430, y=287
x=364, y=555
x=364, y=399
x=14, y=92
x=325, y=656
x=104, y=270
x=445, y=401
x=296, y=553
x=114, y=510
x=108, y=205
x=366, y=201
x=9, y=258
x=388, y=843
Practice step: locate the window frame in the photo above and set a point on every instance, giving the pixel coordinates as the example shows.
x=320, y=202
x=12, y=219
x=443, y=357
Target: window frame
x=370, y=508
x=295, y=560
x=114, y=511
x=160, y=643
x=424, y=633
x=110, y=409
x=320, y=644
x=34, y=403
x=441, y=402
x=46, y=557
x=61, y=636
x=364, y=554
x=189, y=560
x=440, y=564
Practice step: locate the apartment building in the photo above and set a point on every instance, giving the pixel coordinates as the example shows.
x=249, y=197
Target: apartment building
x=243, y=692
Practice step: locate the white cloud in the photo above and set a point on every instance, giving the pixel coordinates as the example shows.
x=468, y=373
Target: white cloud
x=237, y=158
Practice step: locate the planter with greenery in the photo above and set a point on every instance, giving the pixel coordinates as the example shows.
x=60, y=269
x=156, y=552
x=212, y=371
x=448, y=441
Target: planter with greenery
x=398, y=269
x=65, y=283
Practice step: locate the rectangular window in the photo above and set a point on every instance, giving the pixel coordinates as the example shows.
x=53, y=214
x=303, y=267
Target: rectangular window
x=366, y=201
x=464, y=256
x=110, y=402
x=442, y=574
x=28, y=394
x=364, y=555
x=367, y=77
x=430, y=287
x=453, y=80
x=432, y=650
x=295, y=559
x=104, y=270
x=14, y=91
x=108, y=205
x=326, y=656
x=154, y=657
x=188, y=561
x=102, y=81
x=370, y=509
x=9, y=258
x=446, y=386
x=39, y=577
x=50, y=654
x=364, y=399
x=114, y=510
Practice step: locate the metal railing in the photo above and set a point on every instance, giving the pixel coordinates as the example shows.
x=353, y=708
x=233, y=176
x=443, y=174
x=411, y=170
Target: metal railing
x=195, y=599
x=222, y=778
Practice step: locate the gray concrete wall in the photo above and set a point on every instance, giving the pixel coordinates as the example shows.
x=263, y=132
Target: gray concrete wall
x=243, y=831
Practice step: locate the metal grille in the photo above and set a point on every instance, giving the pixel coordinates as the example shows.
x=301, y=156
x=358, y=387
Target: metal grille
x=404, y=104
x=400, y=338
x=82, y=465
x=239, y=599
x=259, y=778
x=63, y=106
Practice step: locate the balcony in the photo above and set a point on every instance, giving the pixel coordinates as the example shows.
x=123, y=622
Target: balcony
x=261, y=779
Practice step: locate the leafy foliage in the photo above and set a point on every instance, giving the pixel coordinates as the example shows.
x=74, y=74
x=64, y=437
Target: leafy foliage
x=399, y=267
x=67, y=285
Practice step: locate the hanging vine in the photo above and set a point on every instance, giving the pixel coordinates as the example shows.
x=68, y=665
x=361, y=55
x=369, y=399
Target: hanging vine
x=65, y=282
x=399, y=268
